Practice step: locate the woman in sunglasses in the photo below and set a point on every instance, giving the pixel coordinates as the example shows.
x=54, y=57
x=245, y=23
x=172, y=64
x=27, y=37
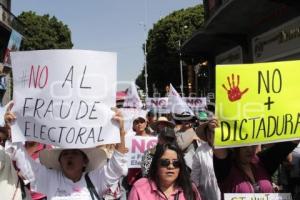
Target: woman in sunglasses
x=168, y=178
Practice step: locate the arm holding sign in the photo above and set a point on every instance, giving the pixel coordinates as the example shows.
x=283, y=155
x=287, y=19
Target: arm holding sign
x=116, y=167
x=31, y=170
x=102, y=178
x=221, y=158
x=121, y=146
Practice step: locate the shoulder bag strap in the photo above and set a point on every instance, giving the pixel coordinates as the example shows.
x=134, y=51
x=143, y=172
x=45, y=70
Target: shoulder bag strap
x=91, y=187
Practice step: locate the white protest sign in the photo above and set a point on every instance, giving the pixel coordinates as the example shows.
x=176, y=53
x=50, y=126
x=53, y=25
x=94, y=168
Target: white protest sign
x=63, y=97
x=158, y=105
x=137, y=146
x=195, y=102
x=260, y=196
x=130, y=114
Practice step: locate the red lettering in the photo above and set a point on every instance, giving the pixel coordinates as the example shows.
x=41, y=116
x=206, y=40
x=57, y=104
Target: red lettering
x=36, y=77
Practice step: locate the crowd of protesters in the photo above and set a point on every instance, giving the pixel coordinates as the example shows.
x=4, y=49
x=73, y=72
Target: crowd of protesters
x=183, y=165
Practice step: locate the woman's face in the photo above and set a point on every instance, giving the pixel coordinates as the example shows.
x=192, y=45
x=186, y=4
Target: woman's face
x=167, y=172
x=246, y=154
x=139, y=127
x=3, y=138
x=72, y=162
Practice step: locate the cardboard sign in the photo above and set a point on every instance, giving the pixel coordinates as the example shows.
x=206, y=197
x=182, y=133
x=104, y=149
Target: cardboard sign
x=160, y=105
x=257, y=196
x=64, y=97
x=137, y=146
x=257, y=103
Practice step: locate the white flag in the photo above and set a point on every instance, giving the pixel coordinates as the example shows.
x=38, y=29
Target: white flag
x=176, y=104
x=132, y=99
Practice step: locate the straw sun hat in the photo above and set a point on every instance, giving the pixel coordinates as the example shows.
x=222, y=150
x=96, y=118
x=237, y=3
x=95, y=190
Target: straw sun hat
x=162, y=120
x=49, y=158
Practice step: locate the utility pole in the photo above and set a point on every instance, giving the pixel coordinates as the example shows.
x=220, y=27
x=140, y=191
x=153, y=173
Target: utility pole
x=182, y=31
x=181, y=72
x=145, y=61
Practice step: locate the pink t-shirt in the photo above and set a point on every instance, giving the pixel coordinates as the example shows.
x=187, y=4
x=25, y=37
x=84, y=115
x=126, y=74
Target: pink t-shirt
x=238, y=182
x=145, y=189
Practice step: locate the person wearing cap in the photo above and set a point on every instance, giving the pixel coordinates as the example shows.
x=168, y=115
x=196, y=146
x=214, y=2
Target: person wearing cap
x=160, y=124
x=186, y=136
x=72, y=173
x=203, y=174
x=139, y=126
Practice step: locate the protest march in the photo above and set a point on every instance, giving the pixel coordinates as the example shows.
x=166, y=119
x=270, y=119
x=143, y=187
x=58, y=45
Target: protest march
x=205, y=106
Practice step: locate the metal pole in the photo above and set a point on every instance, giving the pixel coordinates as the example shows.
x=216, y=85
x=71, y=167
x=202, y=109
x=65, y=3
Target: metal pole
x=196, y=69
x=145, y=57
x=146, y=73
x=181, y=72
x=145, y=60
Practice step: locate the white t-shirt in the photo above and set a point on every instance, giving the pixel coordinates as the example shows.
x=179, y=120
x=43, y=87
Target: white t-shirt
x=203, y=174
x=56, y=186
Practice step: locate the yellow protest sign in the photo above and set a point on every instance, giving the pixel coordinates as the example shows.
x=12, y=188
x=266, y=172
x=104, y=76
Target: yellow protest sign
x=257, y=103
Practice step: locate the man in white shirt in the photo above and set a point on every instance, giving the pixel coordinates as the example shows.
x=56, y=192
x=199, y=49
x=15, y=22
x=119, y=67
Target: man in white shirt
x=203, y=174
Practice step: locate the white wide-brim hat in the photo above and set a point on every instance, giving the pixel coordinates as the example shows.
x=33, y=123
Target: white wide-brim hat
x=50, y=158
x=162, y=120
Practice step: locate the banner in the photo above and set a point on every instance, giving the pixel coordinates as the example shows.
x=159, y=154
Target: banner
x=257, y=196
x=195, y=102
x=161, y=104
x=64, y=97
x=158, y=105
x=257, y=103
x=137, y=146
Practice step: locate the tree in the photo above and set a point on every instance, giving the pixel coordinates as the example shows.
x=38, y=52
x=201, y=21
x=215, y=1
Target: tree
x=163, y=47
x=44, y=32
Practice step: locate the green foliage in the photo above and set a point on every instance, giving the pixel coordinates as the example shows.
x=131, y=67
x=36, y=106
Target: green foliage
x=163, y=46
x=44, y=32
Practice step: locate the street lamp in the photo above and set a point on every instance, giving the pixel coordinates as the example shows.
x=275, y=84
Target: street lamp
x=145, y=59
x=180, y=61
x=181, y=71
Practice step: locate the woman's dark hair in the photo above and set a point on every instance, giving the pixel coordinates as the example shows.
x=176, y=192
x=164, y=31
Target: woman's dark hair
x=183, y=180
x=85, y=157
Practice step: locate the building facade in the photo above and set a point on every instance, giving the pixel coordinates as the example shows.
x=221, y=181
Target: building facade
x=239, y=31
x=10, y=40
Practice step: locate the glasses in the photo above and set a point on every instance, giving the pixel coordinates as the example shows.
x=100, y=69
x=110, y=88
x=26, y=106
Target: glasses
x=167, y=162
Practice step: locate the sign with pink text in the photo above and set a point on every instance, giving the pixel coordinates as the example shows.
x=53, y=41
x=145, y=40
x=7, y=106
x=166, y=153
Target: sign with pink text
x=64, y=97
x=137, y=146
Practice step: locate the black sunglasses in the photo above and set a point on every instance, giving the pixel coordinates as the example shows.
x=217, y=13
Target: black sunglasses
x=167, y=162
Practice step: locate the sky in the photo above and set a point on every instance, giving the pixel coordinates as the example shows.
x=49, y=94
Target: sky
x=119, y=26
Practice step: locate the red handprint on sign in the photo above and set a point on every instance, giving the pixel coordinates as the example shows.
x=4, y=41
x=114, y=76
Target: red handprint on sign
x=234, y=92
